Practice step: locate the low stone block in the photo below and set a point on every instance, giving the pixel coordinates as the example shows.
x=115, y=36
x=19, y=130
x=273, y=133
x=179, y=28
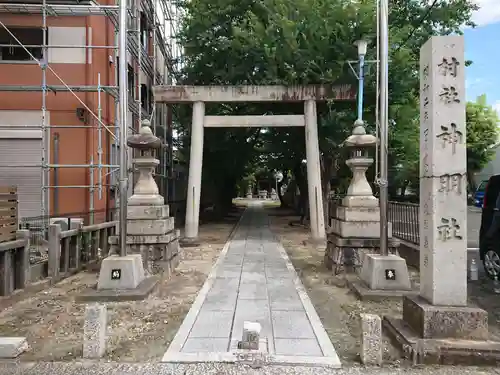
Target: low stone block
x=119, y=272
x=358, y=213
x=148, y=212
x=94, y=331
x=251, y=336
x=359, y=201
x=385, y=272
x=12, y=347
x=445, y=322
x=374, y=243
x=149, y=239
x=149, y=227
x=371, y=339
x=360, y=229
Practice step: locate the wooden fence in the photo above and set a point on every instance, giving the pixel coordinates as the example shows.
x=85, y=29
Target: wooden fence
x=8, y=213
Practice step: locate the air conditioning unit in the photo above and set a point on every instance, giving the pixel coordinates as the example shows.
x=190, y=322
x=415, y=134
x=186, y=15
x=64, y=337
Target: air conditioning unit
x=74, y=222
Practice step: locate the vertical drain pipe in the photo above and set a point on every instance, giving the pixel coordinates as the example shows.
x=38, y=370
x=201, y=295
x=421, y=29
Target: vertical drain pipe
x=56, y=173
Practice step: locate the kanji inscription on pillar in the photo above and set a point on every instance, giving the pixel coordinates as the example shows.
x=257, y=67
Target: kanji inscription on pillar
x=443, y=205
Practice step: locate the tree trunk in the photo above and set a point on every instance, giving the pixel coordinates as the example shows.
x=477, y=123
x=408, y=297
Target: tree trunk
x=283, y=204
x=302, y=185
x=402, y=193
x=327, y=170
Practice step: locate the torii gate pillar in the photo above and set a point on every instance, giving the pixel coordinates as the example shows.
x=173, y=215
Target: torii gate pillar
x=315, y=195
x=195, y=167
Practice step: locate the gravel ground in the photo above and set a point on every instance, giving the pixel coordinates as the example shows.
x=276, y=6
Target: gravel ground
x=55, y=368
x=338, y=308
x=137, y=331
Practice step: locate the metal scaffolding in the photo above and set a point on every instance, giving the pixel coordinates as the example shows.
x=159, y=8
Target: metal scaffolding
x=149, y=20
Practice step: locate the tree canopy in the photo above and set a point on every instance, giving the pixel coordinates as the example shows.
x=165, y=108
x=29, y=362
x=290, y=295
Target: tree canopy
x=482, y=133
x=238, y=42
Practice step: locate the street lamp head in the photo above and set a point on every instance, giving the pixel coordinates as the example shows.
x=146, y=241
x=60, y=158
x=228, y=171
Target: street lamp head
x=362, y=45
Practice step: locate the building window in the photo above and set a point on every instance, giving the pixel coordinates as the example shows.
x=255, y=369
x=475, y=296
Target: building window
x=146, y=98
x=144, y=32
x=30, y=37
x=131, y=82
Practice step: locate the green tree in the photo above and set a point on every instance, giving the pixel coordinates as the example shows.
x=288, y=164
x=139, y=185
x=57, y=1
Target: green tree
x=231, y=42
x=482, y=133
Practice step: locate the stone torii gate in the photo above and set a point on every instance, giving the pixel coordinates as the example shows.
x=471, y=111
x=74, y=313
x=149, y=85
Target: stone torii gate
x=199, y=95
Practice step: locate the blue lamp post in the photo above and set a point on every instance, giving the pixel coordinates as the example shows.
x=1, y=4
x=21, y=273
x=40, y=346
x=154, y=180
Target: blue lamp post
x=362, y=45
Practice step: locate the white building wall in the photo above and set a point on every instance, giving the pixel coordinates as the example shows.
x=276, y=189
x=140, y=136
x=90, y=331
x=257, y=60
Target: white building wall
x=492, y=168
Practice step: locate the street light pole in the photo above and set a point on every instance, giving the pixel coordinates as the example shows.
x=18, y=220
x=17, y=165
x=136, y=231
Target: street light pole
x=384, y=123
x=362, y=45
x=122, y=50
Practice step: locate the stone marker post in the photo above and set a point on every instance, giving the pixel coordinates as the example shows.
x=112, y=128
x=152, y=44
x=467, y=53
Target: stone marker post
x=94, y=331
x=438, y=324
x=443, y=187
x=371, y=339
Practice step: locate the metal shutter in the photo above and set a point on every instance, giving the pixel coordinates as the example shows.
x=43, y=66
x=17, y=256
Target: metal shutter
x=14, y=153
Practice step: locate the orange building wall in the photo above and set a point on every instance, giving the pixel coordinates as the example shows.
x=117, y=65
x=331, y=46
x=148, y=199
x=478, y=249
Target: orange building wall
x=76, y=145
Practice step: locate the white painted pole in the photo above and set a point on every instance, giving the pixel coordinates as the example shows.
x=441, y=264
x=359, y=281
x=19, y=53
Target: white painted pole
x=384, y=124
x=314, y=173
x=195, y=167
x=122, y=48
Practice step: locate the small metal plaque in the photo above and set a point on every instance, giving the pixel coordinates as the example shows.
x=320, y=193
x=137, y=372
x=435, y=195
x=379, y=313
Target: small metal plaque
x=116, y=274
x=390, y=274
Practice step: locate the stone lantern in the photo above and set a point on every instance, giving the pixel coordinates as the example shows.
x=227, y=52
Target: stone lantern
x=355, y=226
x=359, y=193
x=152, y=242
x=145, y=190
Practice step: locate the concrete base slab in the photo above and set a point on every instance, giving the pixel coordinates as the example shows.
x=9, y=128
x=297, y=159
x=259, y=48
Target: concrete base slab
x=440, y=351
x=12, y=347
x=366, y=294
x=189, y=242
x=144, y=289
x=121, y=272
x=445, y=322
x=385, y=272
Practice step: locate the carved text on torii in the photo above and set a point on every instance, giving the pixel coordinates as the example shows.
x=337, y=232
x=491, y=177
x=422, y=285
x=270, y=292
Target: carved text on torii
x=450, y=135
x=449, y=95
x=449, y=229
x=451, y=182
x=449, y=66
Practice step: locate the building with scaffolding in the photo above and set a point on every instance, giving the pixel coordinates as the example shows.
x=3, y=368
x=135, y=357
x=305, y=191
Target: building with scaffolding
x=59, y=98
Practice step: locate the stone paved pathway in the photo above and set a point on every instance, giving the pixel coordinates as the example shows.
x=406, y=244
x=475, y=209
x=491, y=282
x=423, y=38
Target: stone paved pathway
x=253, y=280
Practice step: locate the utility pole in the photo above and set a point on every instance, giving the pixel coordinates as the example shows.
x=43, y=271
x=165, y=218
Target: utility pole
x=384, y=123
x=122, y=74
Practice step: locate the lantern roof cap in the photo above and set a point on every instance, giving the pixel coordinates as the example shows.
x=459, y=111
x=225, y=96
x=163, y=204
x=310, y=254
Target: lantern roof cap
x=145, y=139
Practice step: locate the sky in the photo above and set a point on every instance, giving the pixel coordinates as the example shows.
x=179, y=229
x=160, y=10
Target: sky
x=483, y=76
